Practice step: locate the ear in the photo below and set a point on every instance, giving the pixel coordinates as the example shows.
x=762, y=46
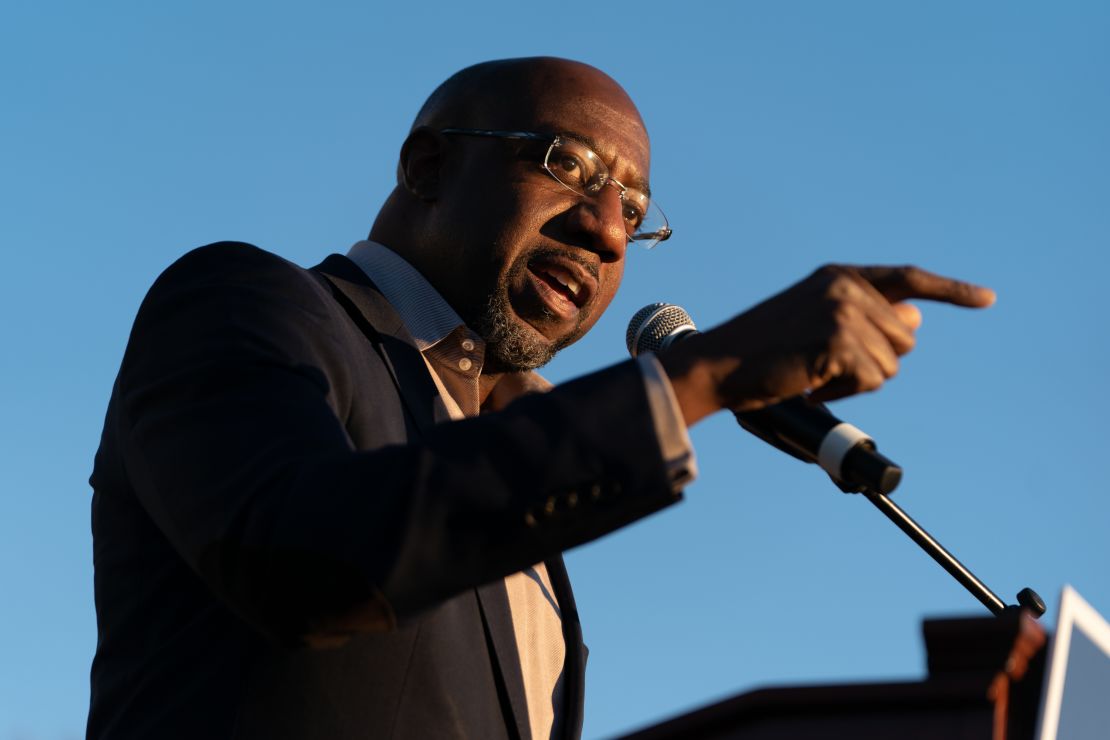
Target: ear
x=422, y=158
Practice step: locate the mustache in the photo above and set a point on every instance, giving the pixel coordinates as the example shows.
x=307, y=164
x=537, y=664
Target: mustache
x=575, y=256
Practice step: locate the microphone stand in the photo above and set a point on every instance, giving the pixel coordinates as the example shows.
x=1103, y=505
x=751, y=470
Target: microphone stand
x=658, y=325
x=1027, y=597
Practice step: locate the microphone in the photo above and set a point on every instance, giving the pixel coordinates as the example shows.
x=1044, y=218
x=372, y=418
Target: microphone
x=796, y=426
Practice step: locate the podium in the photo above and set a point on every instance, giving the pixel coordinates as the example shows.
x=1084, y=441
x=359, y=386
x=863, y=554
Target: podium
x=984, y=681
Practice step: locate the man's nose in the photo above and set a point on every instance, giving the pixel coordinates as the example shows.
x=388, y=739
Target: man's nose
x=600, y=218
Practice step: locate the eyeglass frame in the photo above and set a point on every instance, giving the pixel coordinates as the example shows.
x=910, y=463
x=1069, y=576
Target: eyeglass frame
x=661, y=235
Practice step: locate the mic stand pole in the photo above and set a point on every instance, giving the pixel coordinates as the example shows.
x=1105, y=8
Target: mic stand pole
x=1027, y=597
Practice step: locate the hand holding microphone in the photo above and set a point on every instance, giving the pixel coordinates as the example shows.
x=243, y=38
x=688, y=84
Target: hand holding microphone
x=834, y=334
x=797, y=426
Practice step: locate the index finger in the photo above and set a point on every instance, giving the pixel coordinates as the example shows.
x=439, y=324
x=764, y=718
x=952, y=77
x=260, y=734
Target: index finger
x=899, y=283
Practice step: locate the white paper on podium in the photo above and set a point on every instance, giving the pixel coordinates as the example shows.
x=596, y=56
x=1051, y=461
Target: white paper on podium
x=1075, y=698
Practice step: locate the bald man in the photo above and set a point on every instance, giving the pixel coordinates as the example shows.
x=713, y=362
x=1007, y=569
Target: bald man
x=330, y=503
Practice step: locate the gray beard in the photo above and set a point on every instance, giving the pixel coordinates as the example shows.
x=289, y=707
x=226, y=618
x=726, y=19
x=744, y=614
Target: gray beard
x=510, y=346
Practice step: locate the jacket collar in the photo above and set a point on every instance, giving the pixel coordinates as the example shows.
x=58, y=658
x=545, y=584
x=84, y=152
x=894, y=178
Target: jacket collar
x=384, y=328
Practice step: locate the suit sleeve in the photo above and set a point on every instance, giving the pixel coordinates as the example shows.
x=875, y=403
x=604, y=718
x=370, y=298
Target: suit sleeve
x=230, y=439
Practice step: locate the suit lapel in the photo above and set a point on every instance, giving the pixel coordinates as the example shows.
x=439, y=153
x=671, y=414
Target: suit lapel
x=574, y=665
x=384, y=328
x=494, y=602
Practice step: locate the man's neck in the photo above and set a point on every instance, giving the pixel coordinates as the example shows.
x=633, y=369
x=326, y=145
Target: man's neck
x=487, y=383
x=430, y=318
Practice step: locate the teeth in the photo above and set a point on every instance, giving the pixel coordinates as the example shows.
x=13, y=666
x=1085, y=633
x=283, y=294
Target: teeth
x=567, y=282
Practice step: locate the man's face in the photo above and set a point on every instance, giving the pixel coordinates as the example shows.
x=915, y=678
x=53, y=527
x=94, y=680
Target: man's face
x=526, y=262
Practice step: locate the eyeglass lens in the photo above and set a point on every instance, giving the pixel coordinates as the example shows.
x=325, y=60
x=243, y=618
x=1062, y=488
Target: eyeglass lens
x=580, y=169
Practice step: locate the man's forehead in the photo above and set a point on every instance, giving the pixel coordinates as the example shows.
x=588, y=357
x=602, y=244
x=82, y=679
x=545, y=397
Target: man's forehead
x=610, y=126
x=548, y=95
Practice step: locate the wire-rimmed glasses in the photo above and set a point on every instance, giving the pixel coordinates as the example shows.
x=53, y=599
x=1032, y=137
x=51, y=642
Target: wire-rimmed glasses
x=578, y=168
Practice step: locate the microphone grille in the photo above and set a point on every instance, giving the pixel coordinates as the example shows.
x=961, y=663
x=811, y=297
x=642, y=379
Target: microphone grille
x=653, y=325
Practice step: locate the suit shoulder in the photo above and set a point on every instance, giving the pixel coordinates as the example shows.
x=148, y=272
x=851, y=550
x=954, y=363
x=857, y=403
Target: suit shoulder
x=230, y=259
x=240, y=268
x=236, y=282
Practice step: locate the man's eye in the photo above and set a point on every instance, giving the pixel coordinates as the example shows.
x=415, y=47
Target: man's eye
x=569, y=165
x=633, y=217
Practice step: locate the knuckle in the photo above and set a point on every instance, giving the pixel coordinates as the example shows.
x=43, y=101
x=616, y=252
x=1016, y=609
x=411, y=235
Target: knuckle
x=841, y=288
x=914, y=277
x=891, y=368
x=963, y=291
x=844, y=314
x=871, y=380
x=829, y=274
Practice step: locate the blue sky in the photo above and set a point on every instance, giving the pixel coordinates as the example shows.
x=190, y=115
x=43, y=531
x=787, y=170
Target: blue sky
x=969, y=138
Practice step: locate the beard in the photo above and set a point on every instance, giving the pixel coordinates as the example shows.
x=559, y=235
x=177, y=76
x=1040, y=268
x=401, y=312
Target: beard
x=512, y=345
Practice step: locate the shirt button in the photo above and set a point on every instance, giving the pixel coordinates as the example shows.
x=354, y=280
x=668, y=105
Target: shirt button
x=468, y=345
x=465, y=364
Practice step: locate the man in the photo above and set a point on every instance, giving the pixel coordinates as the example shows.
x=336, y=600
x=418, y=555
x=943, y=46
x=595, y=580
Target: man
x=296, y=531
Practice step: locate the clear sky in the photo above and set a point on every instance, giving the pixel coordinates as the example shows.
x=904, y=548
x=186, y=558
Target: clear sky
x=970, y=138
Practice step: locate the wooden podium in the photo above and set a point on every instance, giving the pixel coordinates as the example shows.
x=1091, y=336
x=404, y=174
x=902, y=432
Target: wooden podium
x=984, y=682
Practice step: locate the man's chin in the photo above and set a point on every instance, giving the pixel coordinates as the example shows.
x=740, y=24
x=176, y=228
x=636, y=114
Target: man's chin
x=521, y=332
x=514, y=344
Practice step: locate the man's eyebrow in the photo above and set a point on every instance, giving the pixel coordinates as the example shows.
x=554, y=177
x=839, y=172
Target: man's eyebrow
x=636, y=182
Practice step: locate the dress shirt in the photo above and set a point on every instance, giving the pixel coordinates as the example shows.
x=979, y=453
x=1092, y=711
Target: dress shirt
x=455, y=354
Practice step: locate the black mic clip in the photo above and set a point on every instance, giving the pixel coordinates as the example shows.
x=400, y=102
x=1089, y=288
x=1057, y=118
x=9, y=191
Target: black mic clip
x=798, y=425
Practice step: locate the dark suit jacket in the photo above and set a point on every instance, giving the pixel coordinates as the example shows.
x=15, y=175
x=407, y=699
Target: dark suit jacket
x=287, y=542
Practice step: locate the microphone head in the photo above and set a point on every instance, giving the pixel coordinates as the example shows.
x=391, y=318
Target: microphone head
x=655, y=326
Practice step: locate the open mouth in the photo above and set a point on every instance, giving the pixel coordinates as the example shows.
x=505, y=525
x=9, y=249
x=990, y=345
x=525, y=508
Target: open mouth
x=563, y=286
x=561, y=283
x=569, y=285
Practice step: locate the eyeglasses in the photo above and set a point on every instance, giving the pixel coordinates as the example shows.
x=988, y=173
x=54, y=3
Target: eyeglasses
x=579, y=169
